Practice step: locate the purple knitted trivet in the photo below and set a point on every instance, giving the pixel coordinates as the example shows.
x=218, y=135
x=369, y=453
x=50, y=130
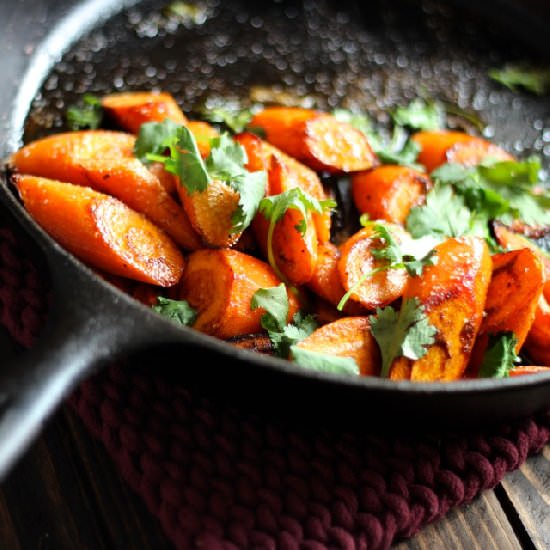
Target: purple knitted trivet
x=217, y=478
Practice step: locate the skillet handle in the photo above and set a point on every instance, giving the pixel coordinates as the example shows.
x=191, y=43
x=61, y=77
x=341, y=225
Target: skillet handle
x=89, y=324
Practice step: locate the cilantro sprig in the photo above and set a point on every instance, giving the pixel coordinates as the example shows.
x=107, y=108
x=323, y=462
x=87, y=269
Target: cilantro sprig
x=406, y=332
x=500, y=356
x=179, y=311
x=85, y=114
x=521, y=76
x=175, y=147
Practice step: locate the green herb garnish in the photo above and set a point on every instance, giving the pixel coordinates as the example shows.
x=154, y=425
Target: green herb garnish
x=500, y=356
x=521, y=76
x=177, y=310
x=323, y=362
x=86, y=114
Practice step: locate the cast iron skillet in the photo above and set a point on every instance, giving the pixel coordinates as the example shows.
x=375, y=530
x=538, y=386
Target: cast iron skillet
x=371, y=56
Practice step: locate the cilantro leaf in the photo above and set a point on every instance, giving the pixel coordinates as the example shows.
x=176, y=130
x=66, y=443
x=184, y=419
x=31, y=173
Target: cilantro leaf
x=500, y=356
x=403, y=333
x=275, y=301
x=420, y=115
x=323, y=362
x=177, y=310
x=521, y=76
x=154, y=138
x=236, y=120
x=86, y=114
x=301, y=327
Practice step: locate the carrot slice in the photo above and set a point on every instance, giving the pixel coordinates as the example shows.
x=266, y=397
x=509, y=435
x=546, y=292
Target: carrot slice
x=129, y=110
x=102, y=231
x=453, y=292
x=357, y=264
x=522, y=370
x=388, y=192
x=514, y=291
x=317, y=139
x=347, y=337
x=537, y=343
x=104, y=160
x=204, y=133
x=441, y=146
x=220, y=285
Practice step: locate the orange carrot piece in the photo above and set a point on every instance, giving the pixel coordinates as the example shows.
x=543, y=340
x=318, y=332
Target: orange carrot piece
x=347, y=337
x=220, y=285
x=204, y=133
x=522, y=370
x=514, y=291
x=326, y=281
x=388, y=192
x=260, y=343
x=104, y=160
x=168, y=180
x=129, y=110
x=356, y=264
x=102, y=231
x=453, y=292
x=285, y=172
x=537, y=343
x=317, y=139
x=441, y=146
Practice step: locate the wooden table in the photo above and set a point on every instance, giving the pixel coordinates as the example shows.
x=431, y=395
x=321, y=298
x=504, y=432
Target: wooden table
x=65, y=494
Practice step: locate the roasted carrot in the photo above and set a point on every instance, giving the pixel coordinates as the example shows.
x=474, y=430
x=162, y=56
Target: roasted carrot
x=102, y=231
x=220, y=285
x=438, y=147
x=260, y=343
x=317, y=139
x=512, y=298
x=522, y=370
x=347, y=337
x=358, y=269
x=204, y=133
x=453, y=292
x=388, y=192
x=104, y=160
x=129, y=110
x=326, y=281
x=537, y=343
x=285, y=172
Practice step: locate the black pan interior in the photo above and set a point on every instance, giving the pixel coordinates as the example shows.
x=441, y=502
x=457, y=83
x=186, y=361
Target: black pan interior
x=368, y=56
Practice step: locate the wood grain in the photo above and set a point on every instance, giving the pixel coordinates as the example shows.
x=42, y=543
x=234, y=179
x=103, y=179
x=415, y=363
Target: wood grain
x=528, y=490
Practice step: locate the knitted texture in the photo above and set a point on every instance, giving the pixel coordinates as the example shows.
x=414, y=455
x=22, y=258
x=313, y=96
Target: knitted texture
x=219, y=478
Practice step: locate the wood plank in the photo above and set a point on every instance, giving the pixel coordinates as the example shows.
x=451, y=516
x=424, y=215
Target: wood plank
x=481, y=525
x=528, y=490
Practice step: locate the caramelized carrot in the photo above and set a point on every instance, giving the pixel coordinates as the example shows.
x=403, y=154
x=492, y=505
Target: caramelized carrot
x=220, y=285
x=317, y=139
x=260, y=343
x=537, y=343
x=166, y=179
x=102, y=231
x=441, y=146
x=326, y=281
x=453, y=293
x=522, y=370
x=284, y=173
x=512, y=298
x=347, y=337
x=204, y=133
x=129, y=110
x=104, y=161
x=388, y=192
x=357, y=268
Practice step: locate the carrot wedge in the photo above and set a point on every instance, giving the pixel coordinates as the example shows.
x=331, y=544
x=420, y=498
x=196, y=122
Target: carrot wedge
x=129, y=110
x=102, y=231
x=522, y=370
x=453, y=293
x=512, y=298
x=220, y=285
x=347, y=337
x=104, y=160
x=438, y=147
x=388, y=192
x=537, y=343
x=357, y=266
x=317, y=139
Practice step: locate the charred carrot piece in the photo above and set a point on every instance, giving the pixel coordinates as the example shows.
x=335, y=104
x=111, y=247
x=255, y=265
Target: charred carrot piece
x=388, y=192
x=129, y=110
x=512, y=298
x=347, y=337
x=317, y=139
x=204, y=133
x=453, y=292
x=285, y=172
x=522, y=370
x=260, y=343
x=220, y=285
x=438, y=147
x=360, y=274
x=537, y=343
x=102, y=231
x=104, y=161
